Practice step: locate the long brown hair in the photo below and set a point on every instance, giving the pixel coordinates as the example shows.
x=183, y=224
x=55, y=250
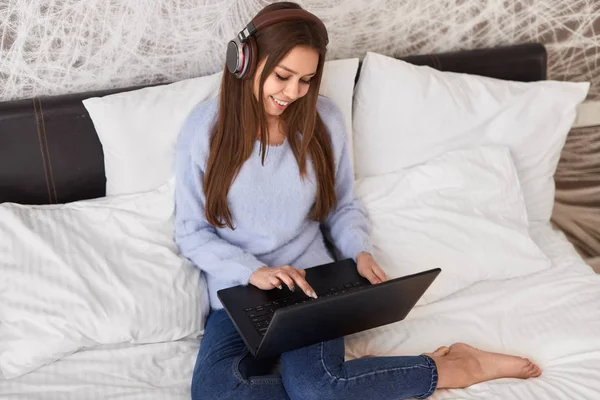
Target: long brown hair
x=241, y=116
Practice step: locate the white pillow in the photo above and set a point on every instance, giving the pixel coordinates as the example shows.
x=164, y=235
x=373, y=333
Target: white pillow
x=139, y=129
x=92, y=272
x=337, y=84
x=406, y=114
x=462, y=211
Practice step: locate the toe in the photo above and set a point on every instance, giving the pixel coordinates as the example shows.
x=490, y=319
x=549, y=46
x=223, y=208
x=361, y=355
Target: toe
x=527, y=370
x=533, y=371
x=442, y=351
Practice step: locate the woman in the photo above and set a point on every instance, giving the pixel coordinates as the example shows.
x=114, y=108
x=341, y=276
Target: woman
x=259, y=171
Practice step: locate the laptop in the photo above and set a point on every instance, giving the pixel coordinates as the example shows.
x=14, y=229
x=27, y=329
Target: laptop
x=274, y=321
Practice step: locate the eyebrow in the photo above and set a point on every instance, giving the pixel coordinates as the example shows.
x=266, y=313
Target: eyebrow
x=294, y=72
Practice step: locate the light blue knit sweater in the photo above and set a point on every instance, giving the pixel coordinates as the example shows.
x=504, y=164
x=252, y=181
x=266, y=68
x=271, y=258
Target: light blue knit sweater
x=269, y=205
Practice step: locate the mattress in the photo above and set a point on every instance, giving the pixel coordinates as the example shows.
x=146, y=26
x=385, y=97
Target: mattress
x=552, y=317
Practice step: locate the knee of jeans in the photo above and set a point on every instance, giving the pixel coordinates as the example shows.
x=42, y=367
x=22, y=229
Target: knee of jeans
x=308, y=384
x=213, y=383
x=311, y=390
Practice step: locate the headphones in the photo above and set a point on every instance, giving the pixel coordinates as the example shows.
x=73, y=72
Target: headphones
x=242, y=51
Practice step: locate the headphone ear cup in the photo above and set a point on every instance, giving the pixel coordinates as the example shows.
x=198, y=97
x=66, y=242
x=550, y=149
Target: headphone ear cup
x=251, y=50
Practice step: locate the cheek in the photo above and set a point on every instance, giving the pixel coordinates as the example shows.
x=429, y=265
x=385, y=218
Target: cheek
x=272, y=86
x=303, y=90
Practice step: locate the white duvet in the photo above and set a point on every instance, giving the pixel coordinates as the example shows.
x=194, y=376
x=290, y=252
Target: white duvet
x=552, y=317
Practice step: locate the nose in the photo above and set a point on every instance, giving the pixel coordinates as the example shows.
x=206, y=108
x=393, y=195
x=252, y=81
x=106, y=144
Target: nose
x=292, y=90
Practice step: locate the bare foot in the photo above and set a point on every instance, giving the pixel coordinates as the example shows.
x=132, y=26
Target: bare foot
x=441, y=351
x=464, y=365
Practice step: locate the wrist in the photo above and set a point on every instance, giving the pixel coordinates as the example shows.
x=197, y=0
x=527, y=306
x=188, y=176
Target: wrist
x=255, y=273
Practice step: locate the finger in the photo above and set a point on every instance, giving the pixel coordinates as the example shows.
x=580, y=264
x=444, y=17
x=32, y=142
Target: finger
x=285, y=278
x=303, y=284
x=379, y=273
x=273, y=280
x=370, y=275
x=298, y=275
x=288, y=270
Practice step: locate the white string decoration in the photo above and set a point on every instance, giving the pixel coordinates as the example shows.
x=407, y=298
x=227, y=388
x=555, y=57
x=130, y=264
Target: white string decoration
x=50, y=47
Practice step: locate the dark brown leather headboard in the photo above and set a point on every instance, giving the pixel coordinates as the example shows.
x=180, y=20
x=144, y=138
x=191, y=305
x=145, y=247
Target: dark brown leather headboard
x=50, y=152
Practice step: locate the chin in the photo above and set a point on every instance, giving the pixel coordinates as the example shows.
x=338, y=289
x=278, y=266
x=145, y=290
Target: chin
x=274, y=112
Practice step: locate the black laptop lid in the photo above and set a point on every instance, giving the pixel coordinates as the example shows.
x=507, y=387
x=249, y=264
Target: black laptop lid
x=336, y=316
x=237, y=299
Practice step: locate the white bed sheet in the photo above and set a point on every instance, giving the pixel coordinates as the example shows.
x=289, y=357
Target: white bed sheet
x=123, y=372
x=553, y=317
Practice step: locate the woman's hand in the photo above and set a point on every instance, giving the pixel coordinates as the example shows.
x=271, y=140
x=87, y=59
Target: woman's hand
x=267, y=278
x=368, y=268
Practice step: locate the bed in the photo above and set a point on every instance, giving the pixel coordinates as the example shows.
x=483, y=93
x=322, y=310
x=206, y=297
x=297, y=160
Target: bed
x=50, y=154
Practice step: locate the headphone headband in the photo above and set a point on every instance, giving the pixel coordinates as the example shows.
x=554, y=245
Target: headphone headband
x=274, y=17
x=241, y=51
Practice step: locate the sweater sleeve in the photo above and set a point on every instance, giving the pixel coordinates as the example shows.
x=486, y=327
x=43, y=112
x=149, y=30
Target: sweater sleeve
x=348, y=224
x=196, y=237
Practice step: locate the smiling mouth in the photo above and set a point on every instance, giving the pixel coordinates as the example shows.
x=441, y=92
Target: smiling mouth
x=280, y=103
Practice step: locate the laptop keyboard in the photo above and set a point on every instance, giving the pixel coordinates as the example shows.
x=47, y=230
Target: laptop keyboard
x=261, y=315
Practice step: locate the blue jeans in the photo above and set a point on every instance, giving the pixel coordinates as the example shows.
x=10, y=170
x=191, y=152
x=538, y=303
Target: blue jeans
x=226, y=370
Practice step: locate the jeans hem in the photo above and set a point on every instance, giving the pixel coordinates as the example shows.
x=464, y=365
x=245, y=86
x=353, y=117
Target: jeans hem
x=434, y=378
x=236, y=367
x=252, y=380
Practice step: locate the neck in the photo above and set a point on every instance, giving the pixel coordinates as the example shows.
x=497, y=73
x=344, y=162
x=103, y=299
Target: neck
x=272, y=121
x=275, y=135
